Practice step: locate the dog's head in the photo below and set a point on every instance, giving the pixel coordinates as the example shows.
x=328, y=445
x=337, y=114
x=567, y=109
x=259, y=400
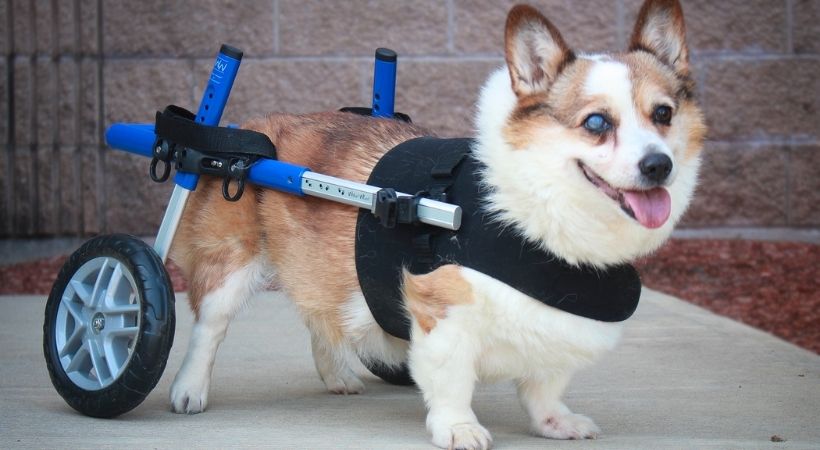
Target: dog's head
x=593, y=156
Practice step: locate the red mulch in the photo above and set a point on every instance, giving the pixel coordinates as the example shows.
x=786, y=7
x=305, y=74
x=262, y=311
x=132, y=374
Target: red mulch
x=774, y=286
x=36, y=277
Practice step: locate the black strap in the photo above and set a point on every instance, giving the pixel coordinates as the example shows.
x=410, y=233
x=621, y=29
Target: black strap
x=178, y=125
x=442, y=173
x=227, y=153
x=446, y=165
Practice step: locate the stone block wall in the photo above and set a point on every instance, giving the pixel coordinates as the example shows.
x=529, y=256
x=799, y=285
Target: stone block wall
x=69, y=68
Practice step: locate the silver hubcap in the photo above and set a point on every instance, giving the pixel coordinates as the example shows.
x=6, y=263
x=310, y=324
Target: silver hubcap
x=98, y=323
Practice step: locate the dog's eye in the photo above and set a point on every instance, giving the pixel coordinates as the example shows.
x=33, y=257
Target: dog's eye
x=597, y=124
x=662, y=115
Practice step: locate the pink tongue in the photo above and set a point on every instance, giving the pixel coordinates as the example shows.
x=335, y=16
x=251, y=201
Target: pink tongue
x=651, y=207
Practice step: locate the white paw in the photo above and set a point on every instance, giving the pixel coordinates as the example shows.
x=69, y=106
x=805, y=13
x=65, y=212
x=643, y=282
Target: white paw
x=343, y=384
x=189, y=394
x=567, y=426
x=463, y=436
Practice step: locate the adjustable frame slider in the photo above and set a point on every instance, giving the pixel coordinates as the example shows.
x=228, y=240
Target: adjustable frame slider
x=385, y=207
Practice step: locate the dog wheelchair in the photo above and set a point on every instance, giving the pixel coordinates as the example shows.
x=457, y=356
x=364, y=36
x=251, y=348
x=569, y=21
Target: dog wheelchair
x=110, y=316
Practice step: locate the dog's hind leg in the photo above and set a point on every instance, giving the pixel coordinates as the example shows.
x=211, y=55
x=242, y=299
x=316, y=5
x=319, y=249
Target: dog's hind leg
x=333, y=364
x=215, y=309
x=541, y=398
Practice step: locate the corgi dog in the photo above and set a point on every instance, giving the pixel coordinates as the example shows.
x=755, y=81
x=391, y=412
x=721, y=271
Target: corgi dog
x=592, y=156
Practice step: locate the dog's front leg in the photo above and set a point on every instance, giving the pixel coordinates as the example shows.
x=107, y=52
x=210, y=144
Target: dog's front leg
x=443, y=355
x=443, y=366
x=541, y=398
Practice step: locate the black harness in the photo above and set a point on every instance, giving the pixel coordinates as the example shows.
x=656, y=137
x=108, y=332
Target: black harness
x=445, y=170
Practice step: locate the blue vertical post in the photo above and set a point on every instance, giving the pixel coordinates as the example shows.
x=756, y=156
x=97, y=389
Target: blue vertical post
x=213, y=103
x=214, y=100
x=384, y=83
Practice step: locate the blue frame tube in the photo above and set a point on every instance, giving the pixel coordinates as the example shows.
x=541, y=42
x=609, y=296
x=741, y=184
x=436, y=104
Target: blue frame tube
x=278, y=175
x=137, y=138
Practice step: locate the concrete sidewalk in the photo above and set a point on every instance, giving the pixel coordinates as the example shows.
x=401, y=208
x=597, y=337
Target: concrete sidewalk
x=681, y=378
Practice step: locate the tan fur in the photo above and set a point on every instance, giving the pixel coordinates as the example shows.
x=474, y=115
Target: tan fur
x=694, y=125
x=650, y=79
x=558, y=109
x=297, y=235
x=428, y=296
x=215, y=238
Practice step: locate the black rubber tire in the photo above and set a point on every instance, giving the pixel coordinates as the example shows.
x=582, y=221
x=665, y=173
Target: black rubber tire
x=398, y=376
x=154, y=340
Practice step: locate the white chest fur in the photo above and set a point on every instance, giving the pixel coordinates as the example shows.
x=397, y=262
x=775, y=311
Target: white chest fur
x=515, y=336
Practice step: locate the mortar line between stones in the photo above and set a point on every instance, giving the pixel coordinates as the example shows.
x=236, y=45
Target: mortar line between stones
x=789, y=26
x=620, y=33
x=364, y=91
x=788, y=175
x=33, y=181
x=54, y=166
x=775, y=141
x=8, y=182
x=276, y=27
x=102, y=199
x=461, y=57
x=10, y=134
x=192, y=81
x=76, y=166
x=451, y=26
x=320, y=58
x=720, y=56
x=76, y=31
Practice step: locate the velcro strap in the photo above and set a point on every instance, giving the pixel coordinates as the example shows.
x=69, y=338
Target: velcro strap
x=447, y=163
x=179, y=126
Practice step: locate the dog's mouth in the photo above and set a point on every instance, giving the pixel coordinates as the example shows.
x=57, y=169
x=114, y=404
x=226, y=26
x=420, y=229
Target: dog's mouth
x=651, y=208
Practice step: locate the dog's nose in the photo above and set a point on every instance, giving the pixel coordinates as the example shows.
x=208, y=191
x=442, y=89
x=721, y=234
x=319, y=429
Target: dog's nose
x=656, y=167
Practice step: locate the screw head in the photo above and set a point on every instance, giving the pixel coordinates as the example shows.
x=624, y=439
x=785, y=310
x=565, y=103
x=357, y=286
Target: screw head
x=98, y=323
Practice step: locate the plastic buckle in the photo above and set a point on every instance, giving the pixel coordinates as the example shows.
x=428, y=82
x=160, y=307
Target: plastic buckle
x=392, y=209
x=228, y=167
x=238, y=171
x=162, y=152
x=408, y=209
x=386, y=204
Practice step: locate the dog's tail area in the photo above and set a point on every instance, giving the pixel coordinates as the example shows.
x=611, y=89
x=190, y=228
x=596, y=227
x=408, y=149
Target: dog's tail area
x=428, y=297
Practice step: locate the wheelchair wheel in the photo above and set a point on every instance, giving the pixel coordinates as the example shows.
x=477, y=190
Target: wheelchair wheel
x=109, y=325
x=400, y=376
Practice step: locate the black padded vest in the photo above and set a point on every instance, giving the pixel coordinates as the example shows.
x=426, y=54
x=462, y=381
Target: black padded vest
x=446, y=165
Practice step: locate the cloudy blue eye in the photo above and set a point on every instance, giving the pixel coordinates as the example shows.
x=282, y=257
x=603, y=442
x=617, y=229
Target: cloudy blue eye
x=597, y=123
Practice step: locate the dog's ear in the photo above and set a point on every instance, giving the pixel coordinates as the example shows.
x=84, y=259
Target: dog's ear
x=535, y=50
x=660, y=30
